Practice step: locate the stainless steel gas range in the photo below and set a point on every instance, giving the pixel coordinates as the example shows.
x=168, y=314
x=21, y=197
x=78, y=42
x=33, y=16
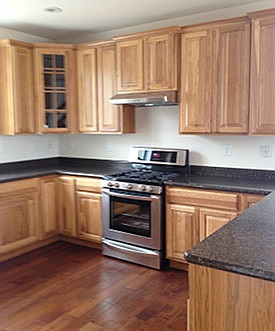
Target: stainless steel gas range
x=133, y=205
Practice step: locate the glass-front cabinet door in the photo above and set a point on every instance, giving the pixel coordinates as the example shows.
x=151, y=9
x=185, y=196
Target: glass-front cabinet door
x=55, y=89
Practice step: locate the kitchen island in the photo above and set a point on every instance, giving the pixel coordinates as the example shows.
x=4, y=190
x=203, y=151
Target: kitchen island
x=232, y=274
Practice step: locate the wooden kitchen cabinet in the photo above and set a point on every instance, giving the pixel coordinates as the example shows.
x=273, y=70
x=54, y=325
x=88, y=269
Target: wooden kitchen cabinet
x=147, y=61
x=249, y=200
x=193, y=214
x=181, y=230
x=49, y=206
x=19, y=207
x=96, y=85
x=211, y=220
x=262, y=100
x=55, y=88
x=215, y=62
x=16, y=88
x=87, y=90
x=88, y=201
x=67, y=205
x=221, y=300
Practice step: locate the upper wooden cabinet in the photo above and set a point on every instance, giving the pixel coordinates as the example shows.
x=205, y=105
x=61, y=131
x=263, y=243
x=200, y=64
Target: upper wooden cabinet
x=55, y=88
x=215, y=60
x=16, y=88
x=147, y=61
x=96, y=85
x=262, y=102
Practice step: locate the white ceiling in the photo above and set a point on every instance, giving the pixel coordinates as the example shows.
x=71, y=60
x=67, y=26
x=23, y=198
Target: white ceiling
x=80, y=17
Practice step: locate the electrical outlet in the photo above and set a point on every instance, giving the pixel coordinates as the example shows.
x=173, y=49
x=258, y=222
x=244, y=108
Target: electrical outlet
x=109, y=146
x=266, y=151
x=49, y=144
x=226, y=150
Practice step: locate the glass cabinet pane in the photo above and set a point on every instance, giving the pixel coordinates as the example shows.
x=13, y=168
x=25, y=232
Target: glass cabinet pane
x=61, y=101
x=62, y=120
x=60, y=80
x=49, y=101
x=59, y=62
x=50, y=120
x=48, y=61
x=48, y=81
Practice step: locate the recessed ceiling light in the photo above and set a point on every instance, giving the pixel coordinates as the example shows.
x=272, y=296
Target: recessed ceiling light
x=53, y=10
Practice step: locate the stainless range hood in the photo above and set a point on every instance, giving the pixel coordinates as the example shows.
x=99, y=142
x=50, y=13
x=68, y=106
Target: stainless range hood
x=148, y=99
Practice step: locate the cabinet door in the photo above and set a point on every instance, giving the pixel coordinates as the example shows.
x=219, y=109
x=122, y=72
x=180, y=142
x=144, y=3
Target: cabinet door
x=211, y=220
x=262, y=102
x=231, y=77
x=160, y=60
x=130, y=65
x=66, y=205
x=181, y=230
x=89, y=216
x=16, y=88
x=196, y=81
x=55, y=93
x=249, y=200
x=109, y=115
x=19, y=215
x=49, y=206
x=87, y=90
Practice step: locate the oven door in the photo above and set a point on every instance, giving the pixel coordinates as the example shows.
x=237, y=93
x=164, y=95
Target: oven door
x=132, y=218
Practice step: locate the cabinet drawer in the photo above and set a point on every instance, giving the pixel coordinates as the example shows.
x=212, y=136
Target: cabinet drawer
x=205, y=198
x=88, y=184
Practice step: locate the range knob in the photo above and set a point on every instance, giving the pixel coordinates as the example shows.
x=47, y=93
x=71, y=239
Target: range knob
x=110, y=184
x=150, y=189
x=142, y=188
x=116, y=185
x=129, y=186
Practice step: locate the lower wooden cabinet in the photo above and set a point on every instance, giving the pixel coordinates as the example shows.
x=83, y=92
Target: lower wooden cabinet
x=194, y=214
x=88, y=202
x=221, y=300
x=66, y=205
x=181, y=230
x=19, y=222
x=210, y=220
x=49, y=206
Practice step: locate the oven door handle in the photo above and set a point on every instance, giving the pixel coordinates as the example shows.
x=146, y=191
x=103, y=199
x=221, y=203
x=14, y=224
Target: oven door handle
x=131, y=249
x=128, y=196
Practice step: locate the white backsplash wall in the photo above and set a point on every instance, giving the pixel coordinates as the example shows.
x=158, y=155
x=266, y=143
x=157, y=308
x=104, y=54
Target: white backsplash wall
x=28, y=147
x=158, y=127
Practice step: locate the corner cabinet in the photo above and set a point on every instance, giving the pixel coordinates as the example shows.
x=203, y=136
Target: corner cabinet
x=262, y=100
x=194, y=214
x=19, y=205
x=148, y=61
x=88, y=202
x=16, y=88
x=96, y=65
x=215, y=62
x=55, y=88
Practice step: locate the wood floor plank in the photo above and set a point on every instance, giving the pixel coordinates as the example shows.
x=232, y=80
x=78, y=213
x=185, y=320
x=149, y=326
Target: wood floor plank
x=67, y=287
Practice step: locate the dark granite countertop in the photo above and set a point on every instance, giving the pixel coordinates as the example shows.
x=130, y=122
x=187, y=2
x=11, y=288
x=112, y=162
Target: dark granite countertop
x=66, y=166
x=245, y=245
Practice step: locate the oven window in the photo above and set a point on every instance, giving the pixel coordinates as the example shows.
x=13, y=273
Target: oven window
x=131, y=216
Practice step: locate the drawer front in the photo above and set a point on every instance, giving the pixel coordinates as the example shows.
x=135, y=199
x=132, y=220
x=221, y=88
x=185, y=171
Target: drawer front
x=206, y=198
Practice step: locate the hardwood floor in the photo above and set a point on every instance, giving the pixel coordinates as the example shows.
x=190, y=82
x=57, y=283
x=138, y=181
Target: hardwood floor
x=68, y=287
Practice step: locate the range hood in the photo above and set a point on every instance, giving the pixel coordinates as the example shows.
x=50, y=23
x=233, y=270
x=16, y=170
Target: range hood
x=146, y=99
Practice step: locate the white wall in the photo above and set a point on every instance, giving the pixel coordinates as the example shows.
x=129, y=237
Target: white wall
x=158, y=127
x=181, y=21
x=155, y=126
